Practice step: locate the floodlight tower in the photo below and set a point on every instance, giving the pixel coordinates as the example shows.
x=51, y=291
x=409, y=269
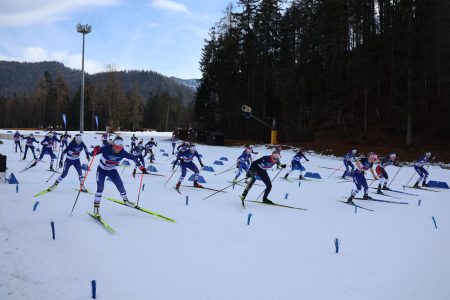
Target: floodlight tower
x=84, y=29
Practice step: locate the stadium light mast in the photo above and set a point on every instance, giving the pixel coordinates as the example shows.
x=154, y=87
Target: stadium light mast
x=84, y=29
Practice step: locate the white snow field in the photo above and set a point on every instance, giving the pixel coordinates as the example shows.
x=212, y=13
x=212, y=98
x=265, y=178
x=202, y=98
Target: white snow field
x=394, y=252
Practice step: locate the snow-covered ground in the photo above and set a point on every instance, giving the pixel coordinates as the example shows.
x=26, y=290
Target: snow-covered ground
x=394, y=252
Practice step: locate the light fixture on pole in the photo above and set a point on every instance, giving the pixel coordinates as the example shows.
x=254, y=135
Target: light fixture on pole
x=84, y=29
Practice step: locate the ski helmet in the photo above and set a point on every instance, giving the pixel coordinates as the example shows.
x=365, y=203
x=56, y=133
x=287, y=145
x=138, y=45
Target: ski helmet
x=248, y=150
x=428, y=154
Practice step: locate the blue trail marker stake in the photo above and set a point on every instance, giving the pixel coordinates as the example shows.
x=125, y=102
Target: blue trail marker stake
x=248, y=219
x=35, y=205
x=336, y=244
x=299, y=184
x=17, y=188
x=94, y=289
x=52, y=224
x=143, y=186
x=434, y=221
x=356, y=209
x=187, y=200
x=418, y=203
x=286, y=196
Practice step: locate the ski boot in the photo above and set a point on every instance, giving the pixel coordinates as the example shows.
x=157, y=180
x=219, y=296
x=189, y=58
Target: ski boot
x=350, y=200
x=197, y=185
x=83, y=189
x=366, y=197
x=53, y=186
x=424, y=184
x=300, y=177
x=134, y=173
x=51, y=168
x=97, y=210
x=129, y=203
x=416, y=185
x=24, y=158
x=385, y=188
x=286, y=176
x=234, y=181
x=379, y=190
x=267, y=201
x=177, y=187
x=343, y=177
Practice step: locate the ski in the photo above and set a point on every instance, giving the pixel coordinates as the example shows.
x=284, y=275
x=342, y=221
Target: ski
x=380, y=200
x=421, y=188
x=245, y=184
x=395, y=191
x=102, y=222
x=242, y=201
x=358, y=206
x=179, y=192
x=142, y=209
x=276, y=204
x=47, y=190
x=386, y=195
x=203, y=188
x=152, y=174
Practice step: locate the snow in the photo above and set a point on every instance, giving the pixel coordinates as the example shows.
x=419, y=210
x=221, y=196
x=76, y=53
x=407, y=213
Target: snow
x=394, y=252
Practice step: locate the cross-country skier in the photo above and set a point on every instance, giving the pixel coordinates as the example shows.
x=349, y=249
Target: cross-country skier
x=348, y=161
x=137, y=153
x=362, y=165
x=16, y=137
x=259, y=168
x=104, y=139
x=419, y=167
x=186, y=158
x=133, y=142
x=110, y=160
x=64, y=139
x=47, y=148
x=148, y=149
x=243, y=162
x=173, y=140
x=29, y=144
x=296, y=164
x=73, y=151
x=381, y=172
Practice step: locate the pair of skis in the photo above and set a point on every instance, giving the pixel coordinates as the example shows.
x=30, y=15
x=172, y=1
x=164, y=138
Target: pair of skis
x=200, y=188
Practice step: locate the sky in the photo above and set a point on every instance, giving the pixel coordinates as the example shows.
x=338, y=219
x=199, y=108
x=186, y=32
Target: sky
x=165, y=36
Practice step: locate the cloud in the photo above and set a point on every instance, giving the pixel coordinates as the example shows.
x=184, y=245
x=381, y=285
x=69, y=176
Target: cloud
x=71, y=60
x=15, y=13
x=171, y=6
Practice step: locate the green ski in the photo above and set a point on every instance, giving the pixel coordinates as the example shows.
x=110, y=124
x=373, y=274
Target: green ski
x=100, y=219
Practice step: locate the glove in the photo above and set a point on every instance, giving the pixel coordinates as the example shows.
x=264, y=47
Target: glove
x=60, y=163
x=255, y=152
x=173, y=167
x=134, y=173
x=283, y=166
x=96, y=150
x=88, y=158
x=201, y=164
x=143, y=169
x=376, y=178
x=250, y=174
x=307, y=159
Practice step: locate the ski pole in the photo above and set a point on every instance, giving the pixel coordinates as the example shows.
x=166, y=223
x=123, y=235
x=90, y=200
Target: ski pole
x=225, y=170
x=82, y=183
x=394, y=176
x=140, y=187
x=335, y=171
x=171, y=176
x=276, y=175
x=221, y=190
x=411, y=178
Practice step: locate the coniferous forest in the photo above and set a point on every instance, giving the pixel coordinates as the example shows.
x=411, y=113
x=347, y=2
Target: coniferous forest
x=360, y=70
